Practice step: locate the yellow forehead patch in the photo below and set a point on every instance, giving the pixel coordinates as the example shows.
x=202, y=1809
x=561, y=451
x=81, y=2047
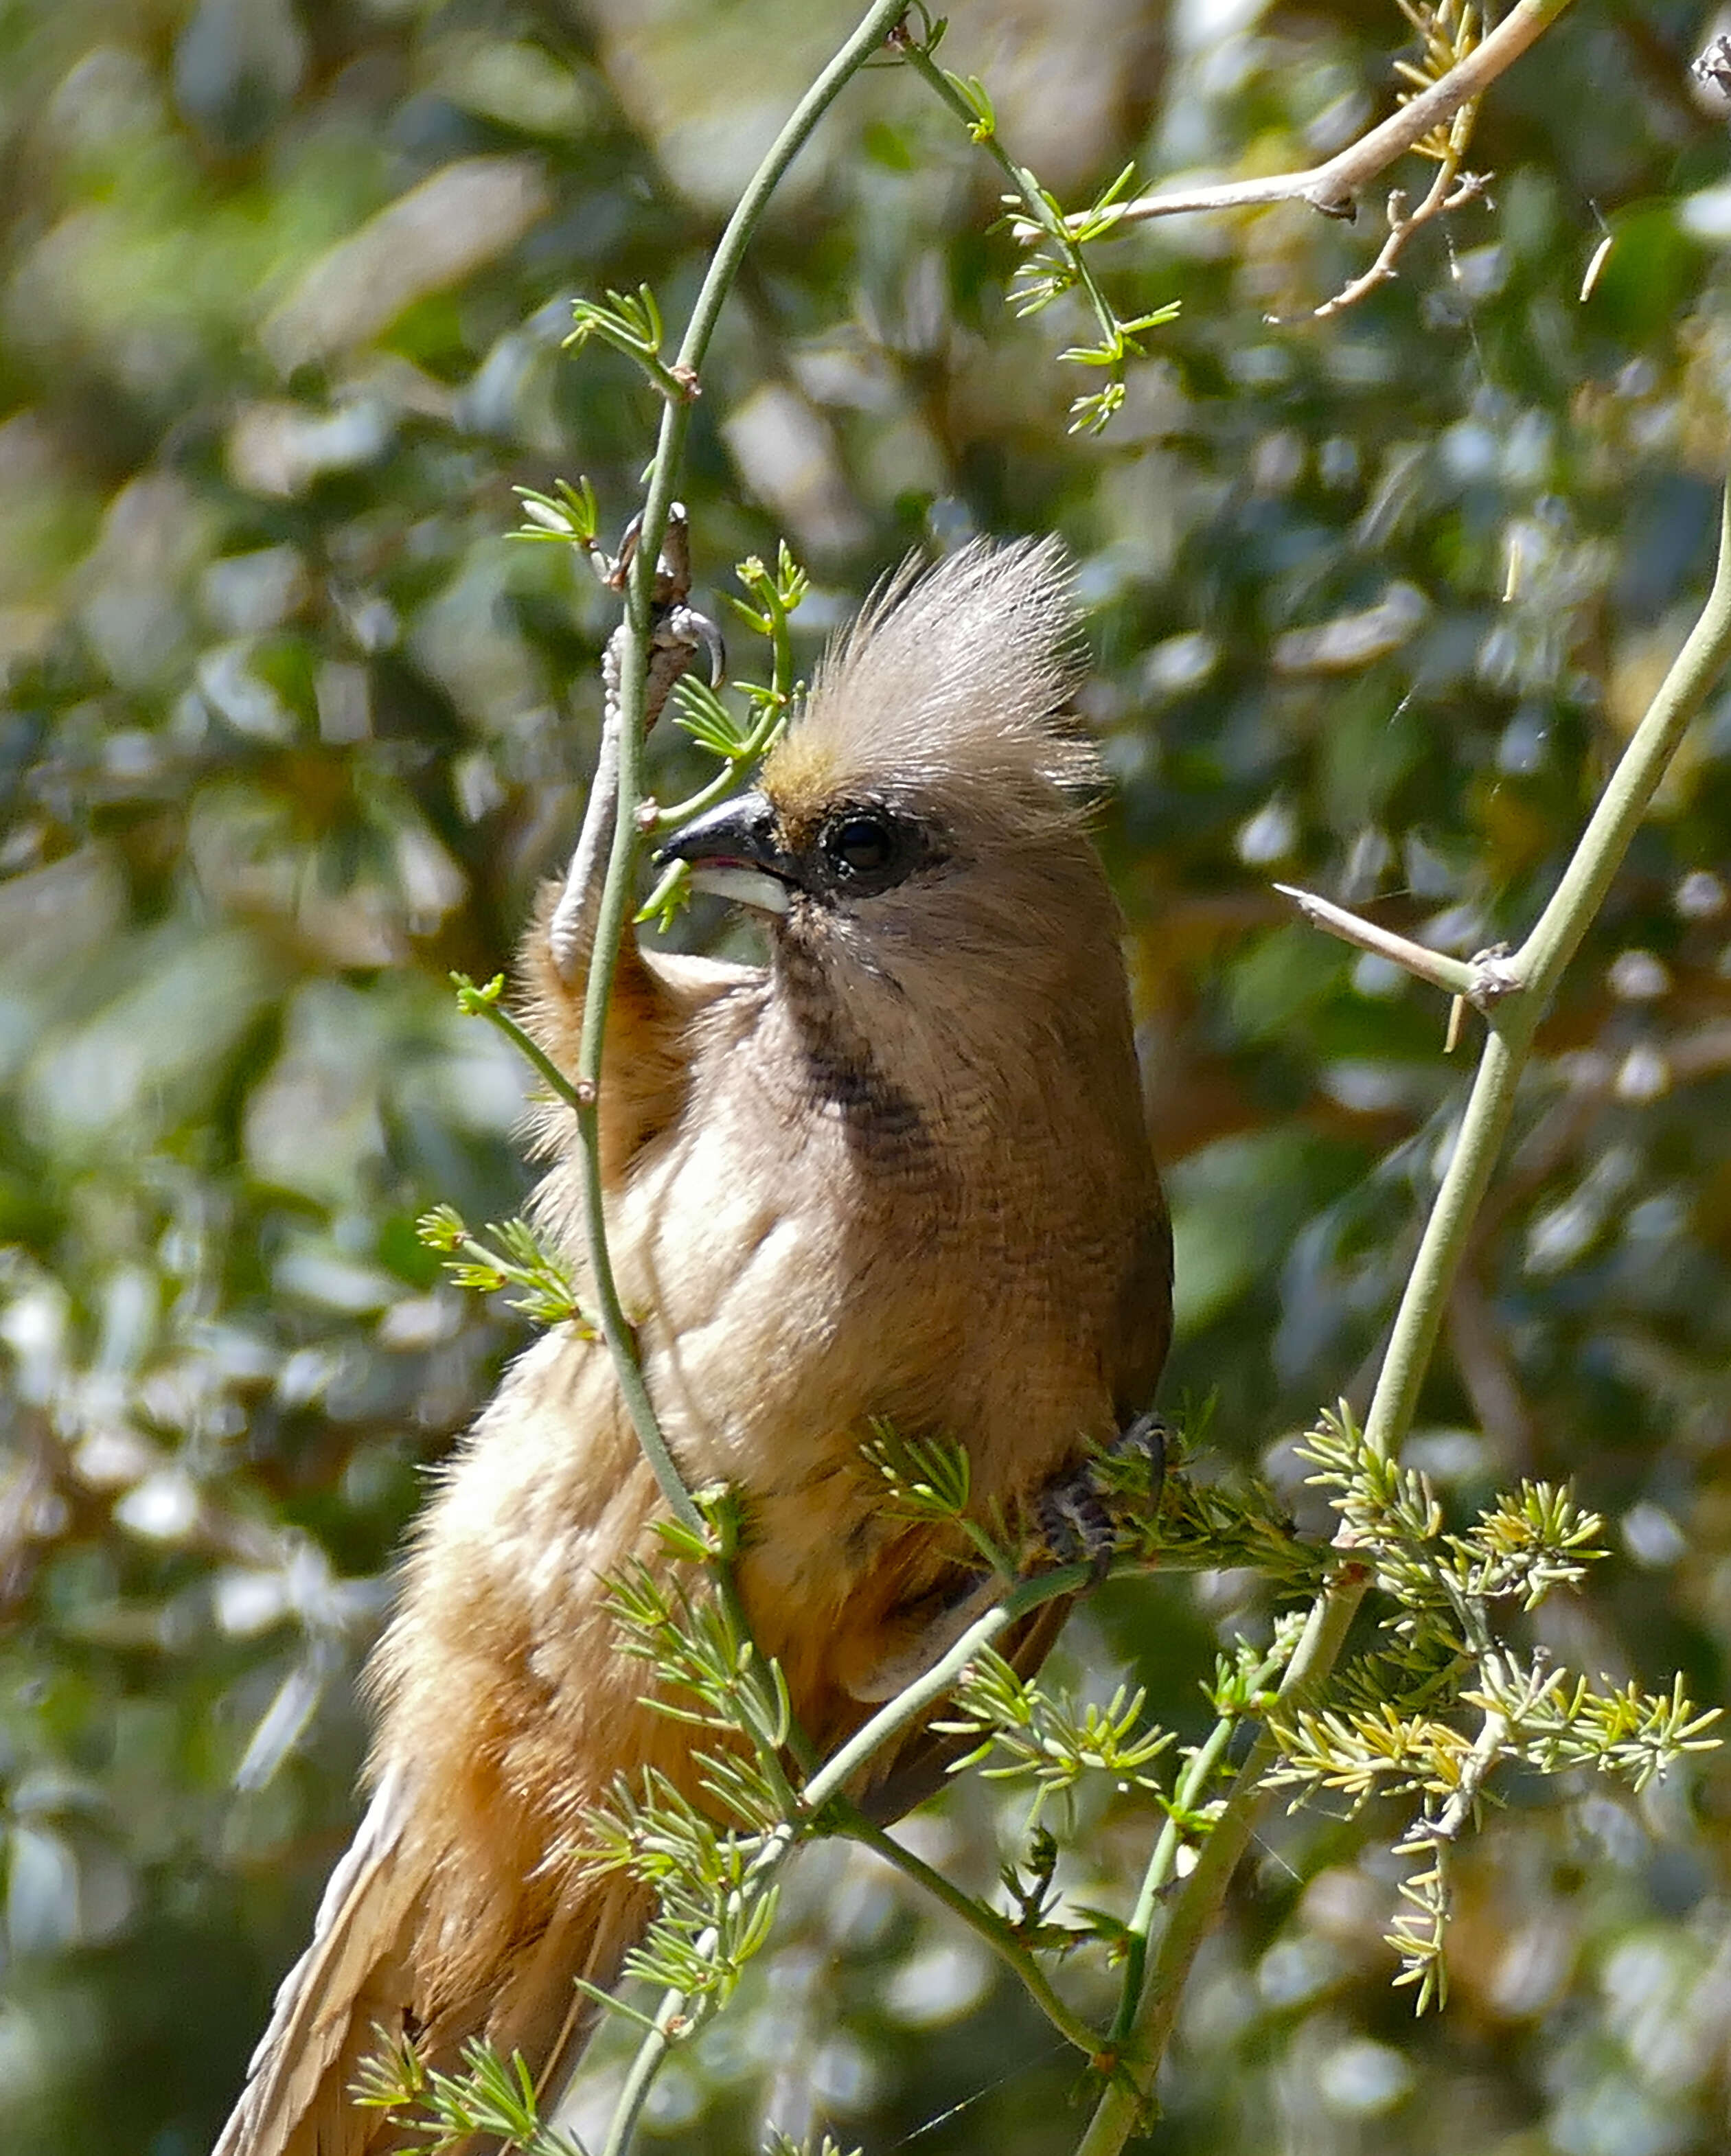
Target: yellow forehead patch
x=800, y=777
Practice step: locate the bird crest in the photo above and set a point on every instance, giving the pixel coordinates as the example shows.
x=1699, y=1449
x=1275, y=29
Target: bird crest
x=953, y=686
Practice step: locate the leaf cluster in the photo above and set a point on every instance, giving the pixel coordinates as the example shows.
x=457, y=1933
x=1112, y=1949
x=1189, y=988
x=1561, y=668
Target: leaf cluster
x=539, y=1281
x=1054, y=263
x=631, y=323
x=928, y=1483
x=492, y=2096
x=1174, y=1516
x=1401, y=1727
x=1520, y=1548
x=1028, y=1734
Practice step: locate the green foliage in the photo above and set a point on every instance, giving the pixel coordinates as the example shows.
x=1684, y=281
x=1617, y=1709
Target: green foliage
x=1028, y=1734
x=1393, y=1735
x=570, y=516
x=928, y=1483
x=1519, y=1549
x=631, y=323
x=518, y=1260
x=490, y=2095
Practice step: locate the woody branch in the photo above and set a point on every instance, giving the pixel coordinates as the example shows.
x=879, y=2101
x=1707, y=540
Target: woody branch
x=1334, y=186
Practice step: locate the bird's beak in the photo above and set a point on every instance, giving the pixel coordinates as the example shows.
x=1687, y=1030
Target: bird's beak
x=734, y=852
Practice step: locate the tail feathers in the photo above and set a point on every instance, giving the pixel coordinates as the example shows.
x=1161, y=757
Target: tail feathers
x=592, y=1947
x=358, y=1979
x=532, y=2005
x=352, y=1980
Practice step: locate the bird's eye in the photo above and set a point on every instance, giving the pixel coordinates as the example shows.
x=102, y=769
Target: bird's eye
x=861, y=844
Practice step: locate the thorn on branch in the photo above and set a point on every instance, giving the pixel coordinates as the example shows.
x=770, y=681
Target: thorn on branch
x=1327, y=203
x=1495, y=975
x=1436, y=967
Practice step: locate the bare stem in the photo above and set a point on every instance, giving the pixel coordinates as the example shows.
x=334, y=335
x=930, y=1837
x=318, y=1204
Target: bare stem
x=1577, y=898
x=615, y=906
x=1333, y=186
x=645, y=2064
x=1199, y=1772
x=1451, y=975
x=1511, y=1023
x=1444, y=197
x=985, y=1924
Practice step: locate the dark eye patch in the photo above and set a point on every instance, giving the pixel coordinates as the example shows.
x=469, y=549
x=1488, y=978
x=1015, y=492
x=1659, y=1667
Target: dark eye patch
x=863, y=847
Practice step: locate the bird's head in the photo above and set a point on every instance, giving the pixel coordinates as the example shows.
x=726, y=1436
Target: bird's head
x=930, y=800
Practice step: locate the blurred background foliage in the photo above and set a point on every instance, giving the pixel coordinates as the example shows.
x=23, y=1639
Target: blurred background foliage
x=290, y=730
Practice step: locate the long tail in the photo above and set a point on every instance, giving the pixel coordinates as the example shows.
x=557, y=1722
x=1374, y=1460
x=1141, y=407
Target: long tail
x=356, y=1987
x=352, y=1980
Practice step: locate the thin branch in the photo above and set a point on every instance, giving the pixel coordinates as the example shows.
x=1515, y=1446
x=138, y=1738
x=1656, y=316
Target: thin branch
x=1333, y=186
x=1454, y=976
x=911, y=1705
x=985, y=1924
x=476, y=1002
x=1511, y=1024
x=1444, y=197
x=639, y=2079
x=1204, y=1763
x=1039, y=216
x=615, y=906
x=1540, y=960
x=1475, y=1772
x=1121, y=2109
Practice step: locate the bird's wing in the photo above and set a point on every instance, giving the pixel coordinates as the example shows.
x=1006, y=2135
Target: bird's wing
x=351, y=1980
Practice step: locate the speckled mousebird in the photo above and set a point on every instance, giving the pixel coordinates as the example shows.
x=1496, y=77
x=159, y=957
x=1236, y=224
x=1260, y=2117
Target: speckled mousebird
x=898, y=1172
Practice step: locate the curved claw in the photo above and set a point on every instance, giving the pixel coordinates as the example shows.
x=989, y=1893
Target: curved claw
x=683, y=630
x=709, y=640
x=1075, y=1511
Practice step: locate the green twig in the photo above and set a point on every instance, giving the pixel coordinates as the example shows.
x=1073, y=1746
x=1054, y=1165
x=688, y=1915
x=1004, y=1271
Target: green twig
x=645, y=2064
x=1045, y=219
x=874, y=26
x=476, y=1002
x=911, y=1705
x=1512, y=1022
x=1192, y=1785
x=985, y=1924
x=622, y=857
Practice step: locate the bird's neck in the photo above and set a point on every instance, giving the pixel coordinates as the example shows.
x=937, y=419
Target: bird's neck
x=952, y=1063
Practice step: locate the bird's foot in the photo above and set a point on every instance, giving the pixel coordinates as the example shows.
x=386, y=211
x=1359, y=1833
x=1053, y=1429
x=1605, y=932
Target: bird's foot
x=1080, y=1512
